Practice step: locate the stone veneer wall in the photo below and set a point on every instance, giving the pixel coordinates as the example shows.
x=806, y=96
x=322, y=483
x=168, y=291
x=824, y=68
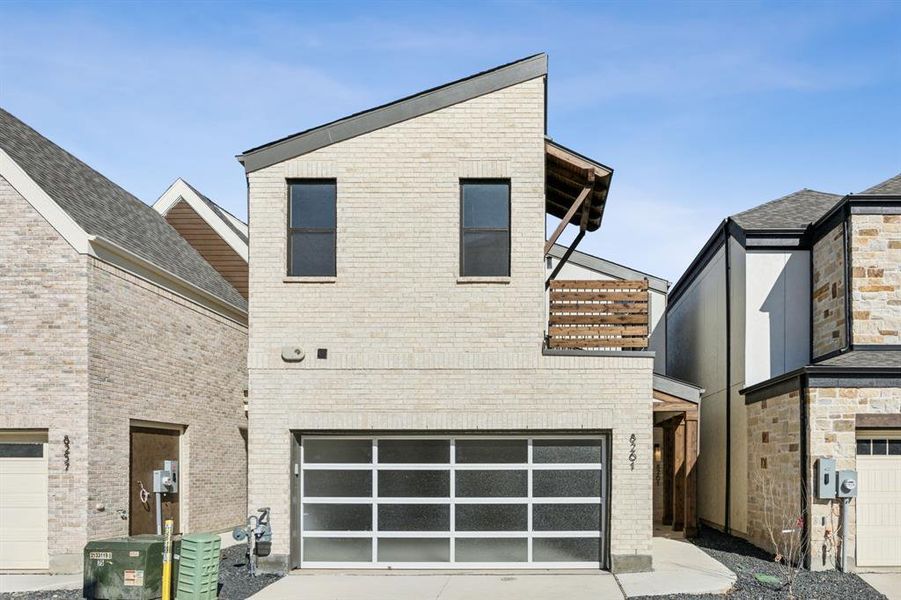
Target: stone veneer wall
x=774, y=467
x=44, y=358
x=828, y=310
x=832, y=433
x=876, y=279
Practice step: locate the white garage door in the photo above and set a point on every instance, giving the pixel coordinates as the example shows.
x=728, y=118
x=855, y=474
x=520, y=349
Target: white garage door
x=23, y=501
x=461, y=502
x=879, y=502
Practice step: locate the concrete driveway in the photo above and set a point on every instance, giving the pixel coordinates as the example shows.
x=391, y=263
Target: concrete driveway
x=534, y=585
x=884, y=583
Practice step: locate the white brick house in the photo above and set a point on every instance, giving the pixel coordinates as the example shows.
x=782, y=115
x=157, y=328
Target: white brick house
x=405, y=410
x=116, y=338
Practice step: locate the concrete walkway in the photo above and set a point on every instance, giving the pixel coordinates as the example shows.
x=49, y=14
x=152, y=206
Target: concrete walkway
x=35, y=582
x=356, y=585
x=884, y=583
x=679, y=568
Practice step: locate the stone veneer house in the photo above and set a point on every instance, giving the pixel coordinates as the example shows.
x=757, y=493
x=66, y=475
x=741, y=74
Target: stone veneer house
x=410, y=405
x=790, y=318
x=120, y=347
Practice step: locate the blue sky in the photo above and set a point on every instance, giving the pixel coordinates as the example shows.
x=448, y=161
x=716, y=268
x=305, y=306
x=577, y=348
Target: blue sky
x=703, y=109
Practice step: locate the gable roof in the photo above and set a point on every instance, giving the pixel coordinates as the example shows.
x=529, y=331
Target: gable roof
x=794, y=211
x=608, y=267
x=230, y=228
x=104, y=211
x=395, y=112
x=889, y=187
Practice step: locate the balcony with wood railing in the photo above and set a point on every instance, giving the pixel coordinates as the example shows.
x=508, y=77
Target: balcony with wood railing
x=598, y=315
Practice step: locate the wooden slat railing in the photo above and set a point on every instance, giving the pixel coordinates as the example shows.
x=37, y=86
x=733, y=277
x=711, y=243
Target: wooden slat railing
x=598, y=314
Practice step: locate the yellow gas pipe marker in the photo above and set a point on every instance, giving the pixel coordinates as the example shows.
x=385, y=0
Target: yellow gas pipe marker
x=167, y=559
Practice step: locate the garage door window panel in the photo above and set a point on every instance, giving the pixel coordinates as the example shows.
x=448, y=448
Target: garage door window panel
x=414, y=484
x=337, y=517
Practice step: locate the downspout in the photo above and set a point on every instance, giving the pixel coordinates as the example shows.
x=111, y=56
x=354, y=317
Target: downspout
x=803, y=419
x=728, y=498
x=846, y=240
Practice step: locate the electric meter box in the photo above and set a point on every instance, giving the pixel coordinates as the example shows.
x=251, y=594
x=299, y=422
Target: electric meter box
x=847, y=484
x=127, y=568
x=826, y=479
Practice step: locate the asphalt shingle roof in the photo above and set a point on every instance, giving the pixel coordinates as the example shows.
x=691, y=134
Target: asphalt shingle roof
x=794, y=211
x=888, y=187
x=865, y=358
x=102, y=208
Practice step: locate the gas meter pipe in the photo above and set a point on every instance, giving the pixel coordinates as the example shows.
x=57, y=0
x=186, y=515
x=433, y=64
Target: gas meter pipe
x=167, y=561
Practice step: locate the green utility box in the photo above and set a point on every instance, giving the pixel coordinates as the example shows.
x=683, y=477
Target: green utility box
x=198, y=570
x=127, y=568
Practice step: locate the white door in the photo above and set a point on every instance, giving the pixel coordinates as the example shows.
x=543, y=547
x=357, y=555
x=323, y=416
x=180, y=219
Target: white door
x=879, y=502
x=452, y=502
x=23, y=501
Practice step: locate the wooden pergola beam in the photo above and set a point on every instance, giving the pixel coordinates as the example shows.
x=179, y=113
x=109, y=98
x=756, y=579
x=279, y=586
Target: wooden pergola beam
x=581, y=200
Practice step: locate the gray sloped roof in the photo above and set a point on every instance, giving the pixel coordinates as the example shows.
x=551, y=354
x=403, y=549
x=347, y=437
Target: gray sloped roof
x=394, y=112
x=889, y=187
x=865, y=358
x=794, y=211
x=102, y=208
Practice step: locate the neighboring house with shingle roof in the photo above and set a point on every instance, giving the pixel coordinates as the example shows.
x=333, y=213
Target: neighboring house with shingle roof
x=219, y=236
x=790, y=318
x=120, y=348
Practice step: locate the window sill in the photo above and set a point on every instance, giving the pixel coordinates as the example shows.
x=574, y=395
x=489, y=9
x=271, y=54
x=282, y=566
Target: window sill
x=296, y=279
x=470, y=280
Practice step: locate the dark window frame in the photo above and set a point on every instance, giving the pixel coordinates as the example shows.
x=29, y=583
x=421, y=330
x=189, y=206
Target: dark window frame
x=292, y=230
x=463, y=229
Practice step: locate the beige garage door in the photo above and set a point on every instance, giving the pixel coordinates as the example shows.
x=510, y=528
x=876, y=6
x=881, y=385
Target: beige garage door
x=23, y=501
x=879, y=502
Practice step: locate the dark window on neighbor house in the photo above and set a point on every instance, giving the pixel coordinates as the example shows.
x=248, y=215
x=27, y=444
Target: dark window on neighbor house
x=16, y=450
x=485, y=228
x=863, y=447
x=312, y=224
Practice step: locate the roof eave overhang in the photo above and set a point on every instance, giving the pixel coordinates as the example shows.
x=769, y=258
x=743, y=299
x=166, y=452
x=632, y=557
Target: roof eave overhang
x=395, y=112
x=581, y=172
x=822, y=376
x=180, y=190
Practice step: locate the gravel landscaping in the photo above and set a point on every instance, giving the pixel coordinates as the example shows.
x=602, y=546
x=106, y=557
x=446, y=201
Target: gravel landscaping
x=235, y=582
x=754, y=569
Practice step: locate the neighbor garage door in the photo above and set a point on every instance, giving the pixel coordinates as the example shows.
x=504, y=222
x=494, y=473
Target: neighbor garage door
x=461, y=502
x=879, y=502
x=23, y=501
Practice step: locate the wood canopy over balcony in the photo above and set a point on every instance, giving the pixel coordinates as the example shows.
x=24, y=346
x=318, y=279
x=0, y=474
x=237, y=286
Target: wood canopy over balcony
x=575, y=192
x=598, y=314
x=575, y=187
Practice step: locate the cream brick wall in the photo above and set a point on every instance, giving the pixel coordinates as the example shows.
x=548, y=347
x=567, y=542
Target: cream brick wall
x=409, y=346
x=84, y=348
x=44, y=356
x=876, y=279
x=774, y=468
x=828, y=310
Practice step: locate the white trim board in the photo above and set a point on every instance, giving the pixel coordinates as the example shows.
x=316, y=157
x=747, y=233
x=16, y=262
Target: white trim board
x=180, y=190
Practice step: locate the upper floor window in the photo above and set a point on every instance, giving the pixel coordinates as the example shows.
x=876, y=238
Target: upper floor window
x=485, y=228
x=312, y=218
